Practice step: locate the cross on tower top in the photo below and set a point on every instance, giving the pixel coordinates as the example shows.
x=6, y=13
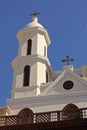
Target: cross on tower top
x=68, y=60
x=35, y=14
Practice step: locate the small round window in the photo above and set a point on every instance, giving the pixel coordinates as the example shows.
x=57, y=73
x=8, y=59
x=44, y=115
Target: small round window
x=68, y=85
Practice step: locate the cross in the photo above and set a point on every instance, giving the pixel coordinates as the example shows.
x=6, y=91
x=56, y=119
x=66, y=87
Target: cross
x=35, y=13
x=68, y=60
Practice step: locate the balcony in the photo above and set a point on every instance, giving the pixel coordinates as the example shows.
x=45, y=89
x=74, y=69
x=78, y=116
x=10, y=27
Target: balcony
x=26, y=116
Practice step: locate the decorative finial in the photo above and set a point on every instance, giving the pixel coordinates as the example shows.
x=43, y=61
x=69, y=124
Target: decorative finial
x=35, y=14
x=68, y=60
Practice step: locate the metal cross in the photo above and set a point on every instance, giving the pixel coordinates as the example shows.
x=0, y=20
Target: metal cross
x=35, y=13
x=68, y=60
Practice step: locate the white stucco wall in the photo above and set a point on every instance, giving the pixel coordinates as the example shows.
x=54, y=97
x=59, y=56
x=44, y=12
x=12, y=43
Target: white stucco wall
x=25, y=93
x=40, y=44
x=38, y=74
x=23, y=49
x=48, y=103
x=33, y=75
x=41, y=70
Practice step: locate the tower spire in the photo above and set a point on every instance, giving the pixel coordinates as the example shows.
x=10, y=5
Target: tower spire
x=35, y=14
x=68, y=60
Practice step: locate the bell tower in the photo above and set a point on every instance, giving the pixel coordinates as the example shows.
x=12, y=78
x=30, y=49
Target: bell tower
x=31, y=66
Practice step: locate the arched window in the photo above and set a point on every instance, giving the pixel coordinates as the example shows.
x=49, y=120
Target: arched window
x=29, y=46
x=26, y=75
x=70, y=112
x=46, y=77
x=25, y=116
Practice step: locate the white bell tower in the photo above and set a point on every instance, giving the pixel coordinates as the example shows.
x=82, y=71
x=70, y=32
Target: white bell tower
x=31, y=66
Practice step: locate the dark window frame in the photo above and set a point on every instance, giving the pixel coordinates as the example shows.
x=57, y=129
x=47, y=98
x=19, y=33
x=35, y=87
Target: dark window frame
x=29, y=47
x=26, y=76
x=46, y=76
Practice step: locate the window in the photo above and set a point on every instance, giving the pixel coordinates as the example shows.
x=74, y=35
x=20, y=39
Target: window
x=68, y=85
x=46, y=77
x=29, y=46
x=25, y=116
x=44, y=50
x=26, y=75
x=70, y=112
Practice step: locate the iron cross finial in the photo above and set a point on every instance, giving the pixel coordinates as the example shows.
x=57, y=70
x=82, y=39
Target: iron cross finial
x=68, y=60
x=35, y=13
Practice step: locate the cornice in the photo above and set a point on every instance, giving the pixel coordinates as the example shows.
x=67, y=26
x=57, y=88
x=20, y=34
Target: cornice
x=48, y=100
x=26, y=32
x=31, y=58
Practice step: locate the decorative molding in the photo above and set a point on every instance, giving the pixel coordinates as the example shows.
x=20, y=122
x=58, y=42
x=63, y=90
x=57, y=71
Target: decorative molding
x=32, y=58
x=48, y=100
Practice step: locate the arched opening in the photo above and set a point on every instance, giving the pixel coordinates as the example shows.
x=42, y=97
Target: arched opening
x=46, y=77
x=26, y=75
x=70, y=112
x=25, y=116
x=29, y=46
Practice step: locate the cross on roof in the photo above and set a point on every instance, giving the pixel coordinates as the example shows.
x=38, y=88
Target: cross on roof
x=68, y=60
x=35, y=13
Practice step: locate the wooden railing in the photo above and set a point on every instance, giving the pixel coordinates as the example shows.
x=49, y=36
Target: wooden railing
x=80, y=124
x=43, y=117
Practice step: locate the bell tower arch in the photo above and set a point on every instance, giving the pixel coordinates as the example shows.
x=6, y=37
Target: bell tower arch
x=29, y=47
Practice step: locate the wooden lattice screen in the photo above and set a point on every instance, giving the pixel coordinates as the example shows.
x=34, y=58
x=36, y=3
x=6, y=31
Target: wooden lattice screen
x=26, y=116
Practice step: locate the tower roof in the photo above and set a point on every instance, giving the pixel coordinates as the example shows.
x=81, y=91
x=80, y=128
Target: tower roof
x=32, y=28
x=34, y=23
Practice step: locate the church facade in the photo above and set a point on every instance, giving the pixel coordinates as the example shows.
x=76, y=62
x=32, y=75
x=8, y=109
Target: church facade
x=37, y=87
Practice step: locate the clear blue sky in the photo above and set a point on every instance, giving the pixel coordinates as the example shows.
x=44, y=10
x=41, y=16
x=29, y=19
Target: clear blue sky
x=66, y=22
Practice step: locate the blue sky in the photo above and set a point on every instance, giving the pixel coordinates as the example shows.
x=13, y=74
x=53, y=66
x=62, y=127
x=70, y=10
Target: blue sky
x=66, y=22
